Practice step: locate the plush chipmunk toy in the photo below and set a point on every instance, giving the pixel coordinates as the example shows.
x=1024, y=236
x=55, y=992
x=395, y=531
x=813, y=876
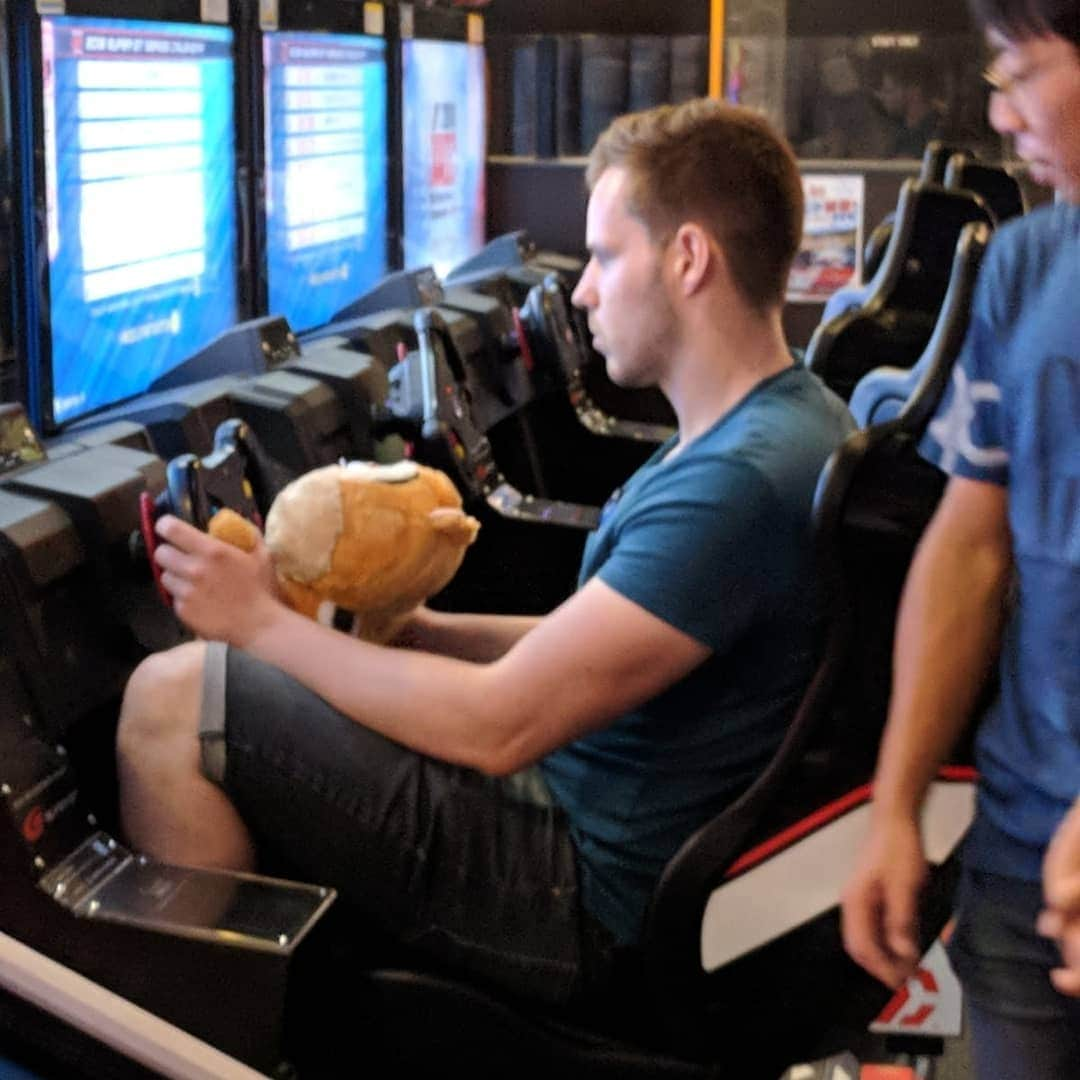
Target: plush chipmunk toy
x=370, y=541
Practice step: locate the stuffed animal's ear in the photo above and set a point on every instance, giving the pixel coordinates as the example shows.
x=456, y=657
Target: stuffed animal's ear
x=229, y=526
x=455, y=524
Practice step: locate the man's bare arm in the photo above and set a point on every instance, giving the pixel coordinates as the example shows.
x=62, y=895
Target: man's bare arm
x=480, y=638
x=582, y=666
x=593, y=658
x=948, y=633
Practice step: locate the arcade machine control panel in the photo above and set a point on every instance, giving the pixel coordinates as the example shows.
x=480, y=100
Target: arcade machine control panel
x=426, y=390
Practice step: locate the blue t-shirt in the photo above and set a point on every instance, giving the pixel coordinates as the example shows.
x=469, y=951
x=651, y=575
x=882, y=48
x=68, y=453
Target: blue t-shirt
x=1012, y=417
x=715, y=542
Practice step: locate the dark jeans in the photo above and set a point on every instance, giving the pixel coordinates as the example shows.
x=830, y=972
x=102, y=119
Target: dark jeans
x=478, y=872
x=1021, y=1027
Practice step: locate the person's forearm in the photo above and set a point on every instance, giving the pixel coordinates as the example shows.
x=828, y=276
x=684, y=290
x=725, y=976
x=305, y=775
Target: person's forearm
x=947, y=638
x=442, y=707
x=479, y=638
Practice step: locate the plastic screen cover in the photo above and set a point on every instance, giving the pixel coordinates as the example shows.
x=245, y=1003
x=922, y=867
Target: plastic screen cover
x=326, y=169
x=139, y=173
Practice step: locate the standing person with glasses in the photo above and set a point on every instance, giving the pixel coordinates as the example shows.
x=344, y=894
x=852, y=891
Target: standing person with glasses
x=997, y=575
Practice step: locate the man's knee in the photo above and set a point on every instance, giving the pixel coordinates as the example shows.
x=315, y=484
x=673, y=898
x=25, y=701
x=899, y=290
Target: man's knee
x=163, y=696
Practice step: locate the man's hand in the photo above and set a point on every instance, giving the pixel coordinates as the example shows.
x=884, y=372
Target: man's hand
x=1061, y=890
x=880, y=903
x=413, y=630
x=219, y=592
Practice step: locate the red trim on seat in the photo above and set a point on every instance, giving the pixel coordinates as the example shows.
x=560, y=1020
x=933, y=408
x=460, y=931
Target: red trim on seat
x=830, y=812
x=958, y=772
x=800, y=829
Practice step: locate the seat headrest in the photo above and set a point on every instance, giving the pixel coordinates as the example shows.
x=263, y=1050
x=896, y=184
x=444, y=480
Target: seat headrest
x=936, y=158
x=999, y=189
x=929, y=219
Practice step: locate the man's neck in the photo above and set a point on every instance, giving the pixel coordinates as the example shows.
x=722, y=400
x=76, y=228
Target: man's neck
x=716, y=368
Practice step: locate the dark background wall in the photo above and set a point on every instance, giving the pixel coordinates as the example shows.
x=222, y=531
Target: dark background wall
x=547, y=197
x=601, y=16
x=837, y=18
x=803, y=17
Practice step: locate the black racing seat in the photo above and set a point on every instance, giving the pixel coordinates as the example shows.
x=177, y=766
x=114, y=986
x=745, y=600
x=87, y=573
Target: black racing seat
x=741, y=969
x=894, y=323
x=887, y=391
x=998, y=188
x=877, y=243
x=935, y=159
x=874, y=499
x=852, y=296
x=932, y=171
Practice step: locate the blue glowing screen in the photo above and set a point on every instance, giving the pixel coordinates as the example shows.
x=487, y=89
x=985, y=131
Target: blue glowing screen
x=139, y=171
x=443, y=144
x=326, y=166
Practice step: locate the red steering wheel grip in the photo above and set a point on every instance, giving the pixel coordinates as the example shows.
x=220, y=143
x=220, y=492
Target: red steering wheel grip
x=146, y=527
x=523, y=340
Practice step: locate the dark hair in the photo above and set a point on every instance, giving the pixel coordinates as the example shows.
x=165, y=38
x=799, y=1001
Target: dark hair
x=722, y=166
x=1019, y=19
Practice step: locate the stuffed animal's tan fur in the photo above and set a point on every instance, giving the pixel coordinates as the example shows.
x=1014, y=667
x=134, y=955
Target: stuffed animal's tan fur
x=374, y=540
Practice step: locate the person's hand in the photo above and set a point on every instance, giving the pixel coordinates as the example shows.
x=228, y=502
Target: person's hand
x=1061, y=891
x=412, y=631
x=219, y=592
x=880, y=903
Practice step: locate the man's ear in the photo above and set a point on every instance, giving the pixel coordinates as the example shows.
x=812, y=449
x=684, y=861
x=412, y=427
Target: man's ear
x=697, y=257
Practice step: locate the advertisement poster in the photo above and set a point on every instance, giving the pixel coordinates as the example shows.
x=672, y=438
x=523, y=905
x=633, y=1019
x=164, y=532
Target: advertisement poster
x=444, y=149
x=830, y=257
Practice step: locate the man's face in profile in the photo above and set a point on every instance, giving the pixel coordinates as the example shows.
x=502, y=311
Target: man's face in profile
x=622, y=287
x=1036, y=102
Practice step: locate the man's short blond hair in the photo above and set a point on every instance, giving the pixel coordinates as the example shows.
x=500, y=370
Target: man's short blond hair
x=721, y=166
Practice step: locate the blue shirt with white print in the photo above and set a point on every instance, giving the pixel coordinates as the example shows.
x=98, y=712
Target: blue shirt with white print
x=1012, y=417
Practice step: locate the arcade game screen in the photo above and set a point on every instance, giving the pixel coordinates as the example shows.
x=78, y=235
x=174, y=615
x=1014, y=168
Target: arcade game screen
x=139, y=174
x=443, y=151
x=326, y=167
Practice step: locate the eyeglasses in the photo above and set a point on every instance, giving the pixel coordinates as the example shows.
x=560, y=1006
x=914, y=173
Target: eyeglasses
x=1010, y=85
x=1000, y=83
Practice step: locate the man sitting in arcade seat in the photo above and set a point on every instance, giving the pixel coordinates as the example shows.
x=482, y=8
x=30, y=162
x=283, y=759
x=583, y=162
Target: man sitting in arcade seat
x=505, y=791
x=999, y=568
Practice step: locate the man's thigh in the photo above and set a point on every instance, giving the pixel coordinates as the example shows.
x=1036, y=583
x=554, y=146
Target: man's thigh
x=477, y=871
x=1022, y=1028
